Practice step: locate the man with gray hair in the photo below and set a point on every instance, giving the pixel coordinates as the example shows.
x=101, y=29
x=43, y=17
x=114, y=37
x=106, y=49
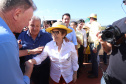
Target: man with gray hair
x=33, y=42
x=14, y=16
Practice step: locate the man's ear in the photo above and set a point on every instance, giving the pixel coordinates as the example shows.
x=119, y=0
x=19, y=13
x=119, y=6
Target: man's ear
x=17, y=13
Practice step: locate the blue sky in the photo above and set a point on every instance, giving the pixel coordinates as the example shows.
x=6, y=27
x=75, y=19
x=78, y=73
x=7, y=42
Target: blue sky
x=107, y=11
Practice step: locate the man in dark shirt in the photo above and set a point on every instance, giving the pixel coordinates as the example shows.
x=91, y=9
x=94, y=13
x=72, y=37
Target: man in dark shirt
x=32, y=42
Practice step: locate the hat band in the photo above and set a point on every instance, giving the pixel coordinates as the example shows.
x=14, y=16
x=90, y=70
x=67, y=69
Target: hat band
x=62, y=26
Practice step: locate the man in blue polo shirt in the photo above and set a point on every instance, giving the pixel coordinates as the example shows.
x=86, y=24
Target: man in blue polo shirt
x=12, y=15
x=71, y=36
x=33, y=41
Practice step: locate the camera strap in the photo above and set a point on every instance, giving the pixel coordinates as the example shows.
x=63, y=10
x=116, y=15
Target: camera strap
x=105, y=76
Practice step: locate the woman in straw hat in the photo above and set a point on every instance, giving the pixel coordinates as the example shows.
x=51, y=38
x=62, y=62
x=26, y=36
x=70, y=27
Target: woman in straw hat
x=63, y=55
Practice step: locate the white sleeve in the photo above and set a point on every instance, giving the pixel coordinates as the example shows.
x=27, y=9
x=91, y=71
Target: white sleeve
x=74, y=58
x=41, y=57
x=85, y=39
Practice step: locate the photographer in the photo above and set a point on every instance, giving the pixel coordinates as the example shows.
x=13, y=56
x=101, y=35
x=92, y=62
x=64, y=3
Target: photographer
x=116, y=70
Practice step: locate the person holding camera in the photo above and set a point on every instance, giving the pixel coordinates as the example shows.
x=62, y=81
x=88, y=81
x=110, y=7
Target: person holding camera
x=116, y=71
x=94, y=44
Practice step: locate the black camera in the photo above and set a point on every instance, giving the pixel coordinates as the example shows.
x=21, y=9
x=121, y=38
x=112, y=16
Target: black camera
x=110, y=33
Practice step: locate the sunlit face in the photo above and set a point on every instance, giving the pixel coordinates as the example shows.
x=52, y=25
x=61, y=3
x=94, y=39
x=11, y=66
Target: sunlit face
x=73, y=26
x=24, y=19
x=34, y=27
x=80, y=25
x=57, y=35
x=91, y=19
x=66, y=20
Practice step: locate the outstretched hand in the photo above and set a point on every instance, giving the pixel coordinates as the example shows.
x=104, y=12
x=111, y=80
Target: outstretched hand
x=28, y=68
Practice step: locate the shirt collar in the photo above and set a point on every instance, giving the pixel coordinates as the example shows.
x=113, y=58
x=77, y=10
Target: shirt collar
x=54, y=43
x=40, y=33
x=78, y=29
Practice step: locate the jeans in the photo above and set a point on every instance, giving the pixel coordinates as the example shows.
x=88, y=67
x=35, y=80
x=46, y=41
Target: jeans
x=94, y=59
x=103, y=81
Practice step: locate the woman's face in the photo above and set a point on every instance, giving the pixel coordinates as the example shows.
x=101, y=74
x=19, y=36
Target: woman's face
x=57, y=35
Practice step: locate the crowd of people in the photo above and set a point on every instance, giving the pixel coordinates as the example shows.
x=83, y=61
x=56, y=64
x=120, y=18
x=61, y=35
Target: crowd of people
x=35, y=54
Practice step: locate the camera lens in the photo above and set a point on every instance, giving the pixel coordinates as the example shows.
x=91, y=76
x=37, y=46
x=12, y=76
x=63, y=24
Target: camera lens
x=107, y=36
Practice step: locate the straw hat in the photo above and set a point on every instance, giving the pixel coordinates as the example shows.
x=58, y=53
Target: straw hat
x=58, y=25
x=93, y=16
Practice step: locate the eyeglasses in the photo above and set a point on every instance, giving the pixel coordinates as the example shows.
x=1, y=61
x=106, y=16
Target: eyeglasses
x=55, y=32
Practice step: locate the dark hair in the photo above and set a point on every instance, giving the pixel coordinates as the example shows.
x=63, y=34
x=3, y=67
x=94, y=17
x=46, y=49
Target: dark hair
x=94, y=18
x=47, y=22
x=81, y=20
x=67, y=14
x=75, y=23
x=63, y=31
x=11, y=4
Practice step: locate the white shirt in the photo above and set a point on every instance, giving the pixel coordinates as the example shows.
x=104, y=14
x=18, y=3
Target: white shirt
x=95, y=27
x=83, y=32
x=63, y=63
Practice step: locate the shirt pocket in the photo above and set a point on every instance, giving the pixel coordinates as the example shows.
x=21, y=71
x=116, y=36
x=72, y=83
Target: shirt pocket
x=66, y=57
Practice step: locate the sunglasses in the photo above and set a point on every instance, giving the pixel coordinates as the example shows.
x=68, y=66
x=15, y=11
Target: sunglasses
x=55, y=32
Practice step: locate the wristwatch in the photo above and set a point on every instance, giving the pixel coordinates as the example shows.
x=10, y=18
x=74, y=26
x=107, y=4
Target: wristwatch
x=28, y=51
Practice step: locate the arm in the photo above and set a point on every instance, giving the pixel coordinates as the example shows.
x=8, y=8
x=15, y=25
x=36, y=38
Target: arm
x=79, y=41
x=97, y=28
x=28, y=69
x=39, y=58
x=30, y=51
x=74, y=60
x=85, y=42
x=107, y=47
x=74, y=39
x=9, y=59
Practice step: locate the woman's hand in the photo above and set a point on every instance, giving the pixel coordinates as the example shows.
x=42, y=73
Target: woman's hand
x=74, y=76
x=28, y=68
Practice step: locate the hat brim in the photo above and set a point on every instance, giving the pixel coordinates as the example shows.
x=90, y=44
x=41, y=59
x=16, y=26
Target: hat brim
x=93, y=17
x=51, y=28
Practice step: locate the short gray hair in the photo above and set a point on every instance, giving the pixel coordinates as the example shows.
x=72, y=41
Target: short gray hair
x=7, y=5
x=36, y=18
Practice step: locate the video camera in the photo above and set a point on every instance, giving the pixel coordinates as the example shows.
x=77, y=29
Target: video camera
x=110, y=33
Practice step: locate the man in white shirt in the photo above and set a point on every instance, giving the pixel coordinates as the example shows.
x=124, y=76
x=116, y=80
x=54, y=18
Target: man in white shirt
x=94, y=44
x=83, y=42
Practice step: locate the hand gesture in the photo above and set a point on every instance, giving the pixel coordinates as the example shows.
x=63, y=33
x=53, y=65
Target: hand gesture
x=37, y=50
